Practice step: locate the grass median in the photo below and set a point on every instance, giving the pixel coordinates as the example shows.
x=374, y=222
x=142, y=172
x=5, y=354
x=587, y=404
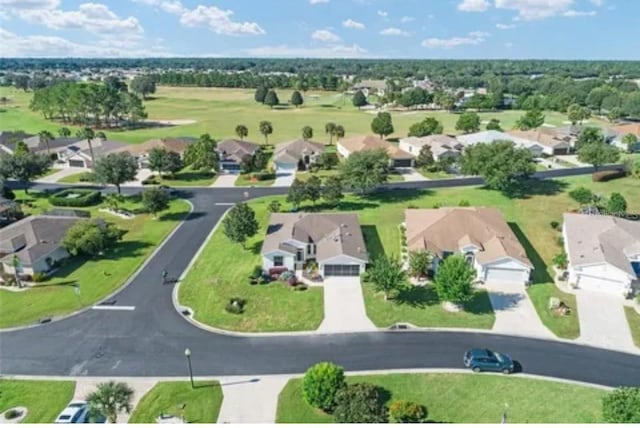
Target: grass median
x=44, y=400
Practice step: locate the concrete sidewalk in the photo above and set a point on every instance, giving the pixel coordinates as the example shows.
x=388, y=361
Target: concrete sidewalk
x=65, y=172
x=251, y=400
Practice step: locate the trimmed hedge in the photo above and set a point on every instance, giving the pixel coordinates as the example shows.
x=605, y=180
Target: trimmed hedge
x=608, y=175
x=86, y=198
x=262, y=176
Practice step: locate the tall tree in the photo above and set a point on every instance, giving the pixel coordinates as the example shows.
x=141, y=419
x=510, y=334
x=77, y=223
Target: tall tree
x=339, y=132
x=109, y=399
x=240, y=224
x=382, y=124
x=202, y=155
x=468, y=122
x=589, y=135
x=387, y=275
x=332, y=190
x=266, y=129
x=427, y=126
x=313, y=188
x=89, y=135
x=296, y=99
x=366, y=169
x=143, y=85
x=155, y=200
x=116, y=168
x=242, y=131
x=91, y=238
x=46, y=137
x=297, y=193
x=532, y=119
x=420, y=262
x=454, y=280
x=261, y=93
x=598, y=154
x=576, y=113
x=630, y=141
x=425, y=157
x=271, y=99
x=24, y=166
x=359, y=99
x=307, y=133
x=157, y=159
x=330, y=129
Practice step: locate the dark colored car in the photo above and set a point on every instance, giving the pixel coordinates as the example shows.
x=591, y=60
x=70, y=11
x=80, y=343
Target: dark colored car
x=485, y=360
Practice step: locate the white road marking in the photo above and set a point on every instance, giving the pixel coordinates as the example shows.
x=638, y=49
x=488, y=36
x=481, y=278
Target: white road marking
x=225, y=203
x=114, y=308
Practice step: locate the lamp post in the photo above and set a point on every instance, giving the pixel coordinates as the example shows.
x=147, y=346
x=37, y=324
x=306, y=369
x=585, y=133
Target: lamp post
x=187, y=353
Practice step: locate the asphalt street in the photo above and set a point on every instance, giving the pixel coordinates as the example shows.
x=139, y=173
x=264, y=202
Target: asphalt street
x=150, y=340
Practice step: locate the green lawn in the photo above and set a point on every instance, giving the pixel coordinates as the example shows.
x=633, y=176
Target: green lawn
x=322, y=174
x=49, y=172
x=96, y=277
x=466, y=398
x=221, y=272
x=222, y=109
x=201, y=405
x=245, y=180
x=633, y=318
x=435, y=175
x=44, y=400
x=188, y=178
x=73, y=178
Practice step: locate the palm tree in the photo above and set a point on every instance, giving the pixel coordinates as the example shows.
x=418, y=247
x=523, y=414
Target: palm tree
x=88, y=134
x=307, y=133
x=46, y=136
x=266, y=128
x=109, y=399
x=242, y=131
x=101, y=135
x=339, y=132
x=330, y=129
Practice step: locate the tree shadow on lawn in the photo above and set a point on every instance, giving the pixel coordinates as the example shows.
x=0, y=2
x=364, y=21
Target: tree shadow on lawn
x=537, y=187
x=540, y=273
x=398, y=195
x=342, y=206
x=256, y=247
x=372, y=241
x=189, y=176
x=423, y=296
x=173, y=216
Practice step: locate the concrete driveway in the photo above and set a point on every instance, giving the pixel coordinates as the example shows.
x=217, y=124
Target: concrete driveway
x=602, y=321
x=225, y=180
x=284, y=177
x=344, y=309
x=515, y=314
x=410, y=174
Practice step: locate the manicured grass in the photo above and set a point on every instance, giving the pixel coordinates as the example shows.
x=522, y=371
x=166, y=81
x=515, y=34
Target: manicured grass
x=44, y=400
x=96, y=278
x=435, y=175
x=466, y=398
x=245, y=180
x=633, y=318
x=221, y=272
x=48, y=173
x=322, y=174
x=565, y=326
x=73, y=178
x=187, y=178
x=201, y=405
x=222, y=109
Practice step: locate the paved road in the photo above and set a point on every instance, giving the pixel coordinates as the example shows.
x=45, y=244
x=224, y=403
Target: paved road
x=150, y=340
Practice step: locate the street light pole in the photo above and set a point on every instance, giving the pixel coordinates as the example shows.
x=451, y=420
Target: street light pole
x=187, y=353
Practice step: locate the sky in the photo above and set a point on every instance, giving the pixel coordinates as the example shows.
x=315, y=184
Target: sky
x=422, y=29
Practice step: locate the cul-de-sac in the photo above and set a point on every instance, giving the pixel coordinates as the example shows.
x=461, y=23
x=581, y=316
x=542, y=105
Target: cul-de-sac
x=370, y=220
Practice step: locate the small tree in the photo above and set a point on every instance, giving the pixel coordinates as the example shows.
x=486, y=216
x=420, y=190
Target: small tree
x=494, y=125
x=387, y=275
x=173, y=163
x=339, y=132
x=64, y=132
x=360, y=403
x=242, y=131
x=313, y=188
x=468, y=122
x=530, y=120
x=631, y=141
x=91, y=238
x=332, y=190
x=297, y=193
x=266, y=129
x=589, y=135
x=359, y=99
x=366, y=169
x=109, y=399
x=261, y=93
x=561, y=260
x=330, y=129
x=271, y=99
x=246, y=164
x=157, y=159
x=202, y=155
x=420, y=262
x=47, y=136
x=622, y=406
x=296, y=99
x=259, y=160
x=454, y=280
x=403, y=411
x=327, y=160
x=24, y=166
x=88, y=134
x=616, y=204
x=155, y=200
x=116, y=168
x=321, y=384
x=425, y=157
x=598, y=154
x=582, y=195
x=576, y=113
x=307, y=133
x=240, y=224
x=382, y=124
x=426, y=127
x=274, y=206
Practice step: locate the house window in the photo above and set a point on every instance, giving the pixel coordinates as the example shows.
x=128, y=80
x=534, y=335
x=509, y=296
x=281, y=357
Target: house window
x=299, y=255
x=278, y=261
x=469, y=257
x=446, y=254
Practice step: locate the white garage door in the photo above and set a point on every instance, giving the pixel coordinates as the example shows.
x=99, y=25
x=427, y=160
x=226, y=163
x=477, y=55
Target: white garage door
x=505, y=275
x=593, y=283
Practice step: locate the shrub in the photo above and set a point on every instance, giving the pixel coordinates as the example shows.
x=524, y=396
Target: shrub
x=582, y=195
x=561, y=260
x=437, y=205
x=12, y=414
x=301, y=287
x=274, y=207
x=464, y=203
x=257, y=272
x=608, y=175
x=321, y=384
x=85, y=198
x=560, y=241
x=554, y=224
x=262, y=175
x=407, y=411
x=360, y=403
x=622, y=406
x=39, y=277
x=88, y=177
x=293, y=281
x=285, y=276
x=235, y=305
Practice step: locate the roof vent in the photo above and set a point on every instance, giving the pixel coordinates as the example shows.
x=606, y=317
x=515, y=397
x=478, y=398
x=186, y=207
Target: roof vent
x=343, y=225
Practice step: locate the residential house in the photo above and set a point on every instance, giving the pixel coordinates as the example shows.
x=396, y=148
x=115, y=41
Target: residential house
x=9, y=211
x=552, y=143
x=572, y=132
x=34, y=142
x=78, y=154
x=621, y=131
x=9, y=139
x=399, y=158
x=480, y=234
x=34, y=243
x=442, y=146
x=603, y=252
x=333, y=241
x=371, y=87
x=232, y=151
x=141, y=151
x=488, y=137
x=296, y=154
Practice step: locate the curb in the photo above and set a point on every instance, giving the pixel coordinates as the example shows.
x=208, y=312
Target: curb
x=129, y=280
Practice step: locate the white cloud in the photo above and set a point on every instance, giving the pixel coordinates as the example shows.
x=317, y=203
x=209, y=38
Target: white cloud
x=473, y=38
x=325, y=36
x=170, y=6
x=473, y=5
x=219, y=21
x=350, y=23
x=505, y=26
x=508, y=45
x=29, y=4
x=92, y=17
x=406, y=19
x=318, y=1
x=382, y=13
x=394, y=32
x=597, y=3
x=575, y=13
x=335, y=51
x=529, y=10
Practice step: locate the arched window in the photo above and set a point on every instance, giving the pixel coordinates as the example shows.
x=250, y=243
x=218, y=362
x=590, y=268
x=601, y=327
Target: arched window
x=469, y=257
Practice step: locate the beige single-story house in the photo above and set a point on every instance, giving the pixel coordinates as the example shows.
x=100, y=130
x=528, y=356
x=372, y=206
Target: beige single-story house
x=480, y=234
x=232, y=151
x=296, y=154
x=172, y=144
x=78, y=153
x=552, y=143
x=603, y=252
x=399, y=158
x=488, y=137
x=334, y=241
x=442, y=146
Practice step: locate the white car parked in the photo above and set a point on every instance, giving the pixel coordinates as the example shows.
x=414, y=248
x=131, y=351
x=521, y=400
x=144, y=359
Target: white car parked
x=75, y=413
